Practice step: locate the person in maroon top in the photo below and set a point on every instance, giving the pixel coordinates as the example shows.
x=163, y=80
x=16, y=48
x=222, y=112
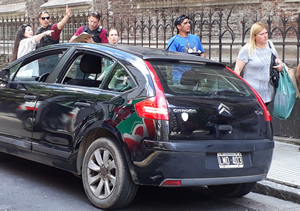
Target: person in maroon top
x=44, y=19
x=94, y=27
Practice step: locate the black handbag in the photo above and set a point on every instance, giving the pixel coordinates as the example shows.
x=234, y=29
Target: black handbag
x=274, y=74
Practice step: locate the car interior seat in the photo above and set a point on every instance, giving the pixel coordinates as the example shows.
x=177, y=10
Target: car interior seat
x=89, y=64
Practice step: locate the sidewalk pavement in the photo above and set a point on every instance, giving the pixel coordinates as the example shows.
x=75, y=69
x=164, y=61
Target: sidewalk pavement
x=283, y=179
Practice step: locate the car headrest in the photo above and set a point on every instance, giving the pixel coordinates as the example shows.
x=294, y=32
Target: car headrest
x=90, y=64
x=189, y=78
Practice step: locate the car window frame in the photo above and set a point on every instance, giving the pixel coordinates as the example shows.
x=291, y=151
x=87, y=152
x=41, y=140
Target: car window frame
x=105, y=84
x=79, y=51
x=70, y=62
x=32, y=57
x=172, y=88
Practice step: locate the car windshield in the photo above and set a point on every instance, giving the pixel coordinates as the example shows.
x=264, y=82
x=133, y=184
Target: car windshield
x=199, y=78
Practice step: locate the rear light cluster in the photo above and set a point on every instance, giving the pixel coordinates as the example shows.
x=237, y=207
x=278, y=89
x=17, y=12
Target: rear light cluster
x=261, y=102
x=154, y=107
x=27, y=108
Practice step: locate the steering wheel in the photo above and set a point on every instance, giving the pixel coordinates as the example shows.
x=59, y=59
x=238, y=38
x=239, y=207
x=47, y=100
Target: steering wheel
x=43, y=77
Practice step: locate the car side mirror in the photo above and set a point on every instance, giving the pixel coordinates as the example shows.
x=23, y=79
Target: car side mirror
x=4, y=76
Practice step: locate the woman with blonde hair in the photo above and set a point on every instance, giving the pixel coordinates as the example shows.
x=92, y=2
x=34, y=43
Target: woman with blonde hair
x=254, y=60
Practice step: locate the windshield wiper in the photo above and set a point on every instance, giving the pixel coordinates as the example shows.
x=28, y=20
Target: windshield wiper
x=225, y=92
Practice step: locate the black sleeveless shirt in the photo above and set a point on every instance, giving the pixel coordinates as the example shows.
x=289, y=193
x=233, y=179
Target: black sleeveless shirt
x=95, y=32
x=46, y=40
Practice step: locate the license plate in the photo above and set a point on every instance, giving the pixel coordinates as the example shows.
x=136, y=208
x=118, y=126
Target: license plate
x=230, y=160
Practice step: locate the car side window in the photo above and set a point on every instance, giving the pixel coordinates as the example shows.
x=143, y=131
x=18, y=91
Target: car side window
x=119, y=80
x=13, y=70
x=88, y=70
x=38, y=69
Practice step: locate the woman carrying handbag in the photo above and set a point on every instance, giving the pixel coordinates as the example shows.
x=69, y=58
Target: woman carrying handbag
x=254, y=59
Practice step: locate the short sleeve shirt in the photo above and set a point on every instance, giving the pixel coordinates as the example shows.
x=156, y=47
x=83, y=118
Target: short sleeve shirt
x=56, y=32
x=257, y=70
x=189, y=44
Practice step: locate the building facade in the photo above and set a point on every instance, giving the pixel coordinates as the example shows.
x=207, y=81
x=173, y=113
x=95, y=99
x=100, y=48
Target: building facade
x=125, y=8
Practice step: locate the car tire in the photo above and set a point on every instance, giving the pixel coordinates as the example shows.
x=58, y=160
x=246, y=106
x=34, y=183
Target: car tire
x=27, y=122
x=105, y=175
x=232, y=190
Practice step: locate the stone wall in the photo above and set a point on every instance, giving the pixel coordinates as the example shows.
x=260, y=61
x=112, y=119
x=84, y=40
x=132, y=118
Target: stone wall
x=251, y=10
x=125, y=8
x=32, y=7
x=263, y=8
x=248, y=11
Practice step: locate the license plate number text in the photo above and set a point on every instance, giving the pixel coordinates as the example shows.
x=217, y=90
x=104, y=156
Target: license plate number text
x=230, y=160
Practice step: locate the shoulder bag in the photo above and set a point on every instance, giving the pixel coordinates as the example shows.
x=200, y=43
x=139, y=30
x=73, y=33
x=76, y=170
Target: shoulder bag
x=274, y=74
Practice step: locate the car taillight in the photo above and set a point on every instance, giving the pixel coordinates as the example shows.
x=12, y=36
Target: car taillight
x=30, y=108
x=261, y=102
x=154, y=107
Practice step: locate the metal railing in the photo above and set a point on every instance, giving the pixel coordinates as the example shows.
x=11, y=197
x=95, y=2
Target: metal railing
x=221, y=35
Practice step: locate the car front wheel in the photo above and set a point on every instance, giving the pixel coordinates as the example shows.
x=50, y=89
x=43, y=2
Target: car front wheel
x=233, y=190
x=105, y=175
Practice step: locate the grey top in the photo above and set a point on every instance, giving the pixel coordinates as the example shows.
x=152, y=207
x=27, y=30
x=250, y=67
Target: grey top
x=257, y=70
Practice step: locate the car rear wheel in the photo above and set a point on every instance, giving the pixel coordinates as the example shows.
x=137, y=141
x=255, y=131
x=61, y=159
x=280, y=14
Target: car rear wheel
x=105, y=175
x=233, y=190
x=28, y=121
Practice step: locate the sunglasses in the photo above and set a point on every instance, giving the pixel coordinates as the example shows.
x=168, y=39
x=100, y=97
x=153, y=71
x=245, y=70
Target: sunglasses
x=95, y=15
x=44, y=18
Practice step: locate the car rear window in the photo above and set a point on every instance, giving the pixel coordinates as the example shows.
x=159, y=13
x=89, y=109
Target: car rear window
x=200, y=78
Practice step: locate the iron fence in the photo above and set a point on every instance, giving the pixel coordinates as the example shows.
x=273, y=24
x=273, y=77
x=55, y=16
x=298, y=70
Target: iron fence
x=221, y=35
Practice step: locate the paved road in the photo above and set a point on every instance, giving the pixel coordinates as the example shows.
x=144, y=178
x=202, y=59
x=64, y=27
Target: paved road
x=28, y=186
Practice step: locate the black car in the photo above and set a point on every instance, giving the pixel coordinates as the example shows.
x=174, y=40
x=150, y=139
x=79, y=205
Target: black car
x=121, y=116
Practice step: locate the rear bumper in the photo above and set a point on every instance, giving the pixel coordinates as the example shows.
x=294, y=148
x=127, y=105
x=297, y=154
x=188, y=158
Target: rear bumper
x=195, y=163
x=215, y=181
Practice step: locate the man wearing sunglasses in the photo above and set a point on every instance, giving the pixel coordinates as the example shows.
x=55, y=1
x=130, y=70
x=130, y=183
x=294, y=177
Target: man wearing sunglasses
x=44, y=19
x=184, y=41
x=94, y=28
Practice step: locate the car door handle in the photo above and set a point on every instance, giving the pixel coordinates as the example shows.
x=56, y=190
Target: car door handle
x=30, y=97
x=83, y=104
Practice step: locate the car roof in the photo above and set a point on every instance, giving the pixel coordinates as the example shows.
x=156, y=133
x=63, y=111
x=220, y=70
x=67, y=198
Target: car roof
x=145, y=53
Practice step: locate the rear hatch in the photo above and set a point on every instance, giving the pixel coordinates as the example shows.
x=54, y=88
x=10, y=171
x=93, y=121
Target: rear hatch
x=207, y=101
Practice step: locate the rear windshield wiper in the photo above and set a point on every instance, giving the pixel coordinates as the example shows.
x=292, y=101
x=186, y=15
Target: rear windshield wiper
x=229, y=92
